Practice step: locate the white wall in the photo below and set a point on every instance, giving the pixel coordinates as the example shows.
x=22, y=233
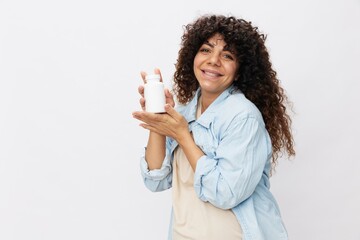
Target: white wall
x=69, y=147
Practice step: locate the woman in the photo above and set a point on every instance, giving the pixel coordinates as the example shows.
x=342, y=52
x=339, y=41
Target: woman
x=217, y=149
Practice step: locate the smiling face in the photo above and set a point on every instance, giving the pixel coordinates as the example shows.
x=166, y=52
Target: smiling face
x=215, y=67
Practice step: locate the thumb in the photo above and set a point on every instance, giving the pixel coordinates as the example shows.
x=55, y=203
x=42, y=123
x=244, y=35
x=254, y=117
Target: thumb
x=169, y=97
x=171, y=111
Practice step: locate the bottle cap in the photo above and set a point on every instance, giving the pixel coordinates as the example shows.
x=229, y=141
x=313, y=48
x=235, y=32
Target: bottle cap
x=152, y=77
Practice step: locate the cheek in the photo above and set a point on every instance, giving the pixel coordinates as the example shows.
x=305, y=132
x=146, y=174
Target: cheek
x=196, y=65
x=196, y=61
x=231, y=69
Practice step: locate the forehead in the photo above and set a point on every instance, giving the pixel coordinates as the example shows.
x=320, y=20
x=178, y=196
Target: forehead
x=216, y=40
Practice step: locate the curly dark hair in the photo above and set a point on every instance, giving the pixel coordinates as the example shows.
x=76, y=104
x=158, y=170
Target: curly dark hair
x=255, y=76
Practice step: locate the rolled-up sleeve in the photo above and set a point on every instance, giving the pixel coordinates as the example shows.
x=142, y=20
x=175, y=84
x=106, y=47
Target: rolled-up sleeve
x=157, y=179
x=231, y=175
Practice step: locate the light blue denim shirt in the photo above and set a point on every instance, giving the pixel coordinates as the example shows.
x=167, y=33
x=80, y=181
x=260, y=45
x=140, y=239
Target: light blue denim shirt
x=234, y=172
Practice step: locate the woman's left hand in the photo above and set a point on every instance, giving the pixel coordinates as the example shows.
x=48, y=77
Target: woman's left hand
x=171, y=123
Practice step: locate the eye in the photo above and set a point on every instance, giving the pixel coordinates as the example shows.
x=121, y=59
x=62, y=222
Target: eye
x=229, y=56
x=204, y=50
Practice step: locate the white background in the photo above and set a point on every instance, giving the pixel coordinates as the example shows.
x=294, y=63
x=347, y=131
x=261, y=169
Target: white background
x=69, y=147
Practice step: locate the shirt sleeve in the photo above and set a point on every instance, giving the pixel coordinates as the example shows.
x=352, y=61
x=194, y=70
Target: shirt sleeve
x=232, y=174
x=157, y=179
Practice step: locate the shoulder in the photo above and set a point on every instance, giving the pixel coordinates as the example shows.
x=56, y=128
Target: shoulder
x=238, y=118
x=237, y=106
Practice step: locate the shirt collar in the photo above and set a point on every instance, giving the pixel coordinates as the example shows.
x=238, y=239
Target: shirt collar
x=207, y=117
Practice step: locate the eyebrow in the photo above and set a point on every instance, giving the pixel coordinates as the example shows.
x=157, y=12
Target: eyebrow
x=225, y=48
x=208, y=43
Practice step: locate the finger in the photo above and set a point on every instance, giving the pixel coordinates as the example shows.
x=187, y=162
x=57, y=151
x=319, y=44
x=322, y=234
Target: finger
x=149, y=118
x=171, y=111
x=141, y=90
x=143, y=75
x=169, y=97
x=141, y=116
x=144, y=125
x=157, y=71
x=142, y=103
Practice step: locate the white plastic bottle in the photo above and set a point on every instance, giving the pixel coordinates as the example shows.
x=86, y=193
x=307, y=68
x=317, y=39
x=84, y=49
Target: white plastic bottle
x=154, y=94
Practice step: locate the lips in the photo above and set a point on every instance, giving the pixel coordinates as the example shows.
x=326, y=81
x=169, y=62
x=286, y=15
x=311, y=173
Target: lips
x=211, y=73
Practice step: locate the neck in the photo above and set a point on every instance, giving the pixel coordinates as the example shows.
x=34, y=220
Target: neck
x=205, y=102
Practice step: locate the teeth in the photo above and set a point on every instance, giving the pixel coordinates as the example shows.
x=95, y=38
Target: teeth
x=211, y=74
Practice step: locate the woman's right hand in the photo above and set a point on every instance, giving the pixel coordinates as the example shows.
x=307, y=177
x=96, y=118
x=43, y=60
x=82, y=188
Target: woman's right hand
x=168, y=95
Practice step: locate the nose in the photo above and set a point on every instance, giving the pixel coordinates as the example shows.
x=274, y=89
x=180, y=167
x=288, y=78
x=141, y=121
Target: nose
x=214, y=59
